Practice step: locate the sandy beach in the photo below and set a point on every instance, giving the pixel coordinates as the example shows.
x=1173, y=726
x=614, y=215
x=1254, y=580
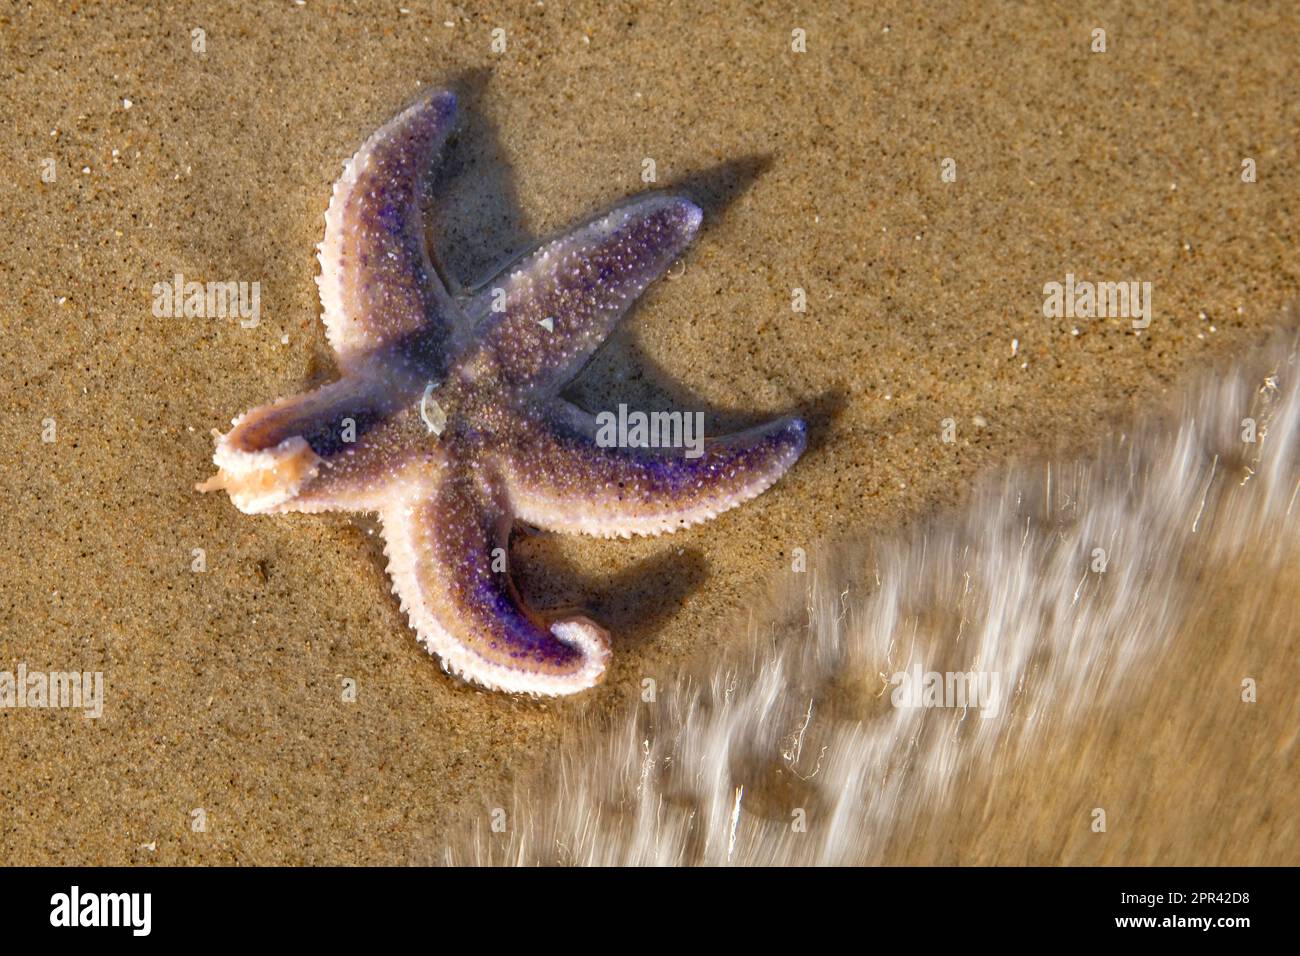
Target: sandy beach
x=919, y=175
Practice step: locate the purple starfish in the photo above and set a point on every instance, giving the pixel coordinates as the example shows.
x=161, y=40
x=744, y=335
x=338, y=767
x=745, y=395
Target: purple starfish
x=447, y=419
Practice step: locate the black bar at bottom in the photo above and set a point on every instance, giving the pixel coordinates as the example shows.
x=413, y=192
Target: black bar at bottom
x=335, y=906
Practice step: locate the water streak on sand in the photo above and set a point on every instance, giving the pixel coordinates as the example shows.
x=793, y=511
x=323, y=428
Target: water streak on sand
x=1073, y=582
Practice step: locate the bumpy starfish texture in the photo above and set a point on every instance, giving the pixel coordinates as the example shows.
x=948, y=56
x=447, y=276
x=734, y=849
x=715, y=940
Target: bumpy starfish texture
x=447, y=419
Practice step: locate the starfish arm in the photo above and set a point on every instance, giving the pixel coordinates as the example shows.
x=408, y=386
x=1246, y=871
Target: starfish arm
x=580, y=286
x=311, y=452
x=377, y=284
x=560, y=477
x=447, y=551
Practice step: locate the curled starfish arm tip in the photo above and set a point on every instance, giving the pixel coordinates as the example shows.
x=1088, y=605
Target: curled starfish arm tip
x=447, y=559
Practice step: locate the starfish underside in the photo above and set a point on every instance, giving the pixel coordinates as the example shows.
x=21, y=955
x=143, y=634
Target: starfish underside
x=447, y=419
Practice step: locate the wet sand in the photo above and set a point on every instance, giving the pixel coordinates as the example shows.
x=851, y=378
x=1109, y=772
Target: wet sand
x=819, y=170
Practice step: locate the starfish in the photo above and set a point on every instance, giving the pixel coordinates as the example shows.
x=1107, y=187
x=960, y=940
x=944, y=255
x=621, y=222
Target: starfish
x=447, y=418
